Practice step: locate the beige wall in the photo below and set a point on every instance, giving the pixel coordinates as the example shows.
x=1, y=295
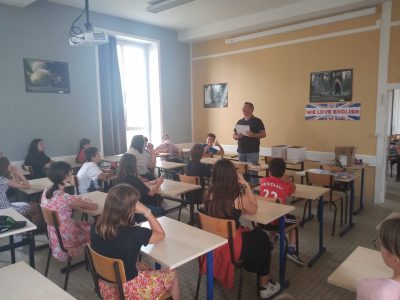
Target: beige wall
x=277, y=80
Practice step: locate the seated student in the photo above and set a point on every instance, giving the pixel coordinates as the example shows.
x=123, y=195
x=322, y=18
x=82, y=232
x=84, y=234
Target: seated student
x=145, y=157
x=389, y=244
x=114, y=236
x=229, y=196
x=279, y=185
x=90, y=172
x=74, y=234
x=168, y=147
x=209, y=149
x=83, y=145
x=10, y=176
x=195, y=167
x=127, y=173
x=37, y=159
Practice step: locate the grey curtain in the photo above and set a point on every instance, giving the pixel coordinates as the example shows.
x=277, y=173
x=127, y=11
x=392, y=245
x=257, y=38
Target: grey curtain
x=112, y=105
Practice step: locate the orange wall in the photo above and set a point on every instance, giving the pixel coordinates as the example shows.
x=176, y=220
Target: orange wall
x=277, y=81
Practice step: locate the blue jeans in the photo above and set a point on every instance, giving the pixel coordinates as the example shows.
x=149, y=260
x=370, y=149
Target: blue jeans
x=253, y=158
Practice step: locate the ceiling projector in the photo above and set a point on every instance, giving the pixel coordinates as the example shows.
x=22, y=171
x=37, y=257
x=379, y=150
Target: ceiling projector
x=89, y=38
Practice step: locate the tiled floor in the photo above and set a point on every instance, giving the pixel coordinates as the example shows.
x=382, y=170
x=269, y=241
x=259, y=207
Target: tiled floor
x=305, y=283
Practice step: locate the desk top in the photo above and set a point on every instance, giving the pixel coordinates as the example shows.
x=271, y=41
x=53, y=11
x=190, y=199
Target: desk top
x=175, y=188
x=37, y=185
x=20, y=281
x=362, y=264
x=17, y=217
x=252, y=167
x=168, y=165
x=97, y=197
x=267, y=211
x=338, y=176
x=392, y=215
x=309, y=191
x=182, y=243
x=112, y=158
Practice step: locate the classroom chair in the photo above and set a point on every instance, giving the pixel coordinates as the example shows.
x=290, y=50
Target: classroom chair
x=52, y=219
x=224, y=228
x=110, y=270
x=342, y=187
x=325, y=180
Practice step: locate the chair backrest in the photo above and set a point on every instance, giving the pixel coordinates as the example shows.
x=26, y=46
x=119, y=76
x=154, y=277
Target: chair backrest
x=108, y=269
x=189, y=179
x=331, y=168
x=52, y=219
x=222, y=227
x=267, y=159
x=241, y=168
x=325, y=180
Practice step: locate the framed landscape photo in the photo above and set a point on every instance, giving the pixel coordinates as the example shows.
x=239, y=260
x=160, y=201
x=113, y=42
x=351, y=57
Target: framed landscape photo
x=216, y=95
x=331, y=86
x=46, y=76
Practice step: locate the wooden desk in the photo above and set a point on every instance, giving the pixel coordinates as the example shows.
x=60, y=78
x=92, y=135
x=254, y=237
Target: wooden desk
x=362, y=264
x=97, y=197
x=267, y=212
x=112, y=158
x=182, y=244
x=37, y=186
x=10, y=234
x=19, y=281
x=392, y=215
x=314, y=193
x=167, y=166
x=347, y=177
x=170, y=189
x=251, y=167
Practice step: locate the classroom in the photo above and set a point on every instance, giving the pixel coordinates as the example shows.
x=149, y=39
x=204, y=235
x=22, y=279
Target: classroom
x=323, y=77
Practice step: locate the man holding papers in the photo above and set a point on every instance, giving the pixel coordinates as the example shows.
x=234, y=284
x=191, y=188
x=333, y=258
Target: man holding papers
x=248, y=132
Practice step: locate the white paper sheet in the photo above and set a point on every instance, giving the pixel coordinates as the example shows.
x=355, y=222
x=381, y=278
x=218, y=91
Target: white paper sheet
x=242, y=129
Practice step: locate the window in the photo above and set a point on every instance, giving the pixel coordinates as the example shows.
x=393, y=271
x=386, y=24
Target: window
x=139, y=69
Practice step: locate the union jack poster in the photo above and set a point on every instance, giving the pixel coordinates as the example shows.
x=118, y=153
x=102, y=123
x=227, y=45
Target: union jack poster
x=333, y=111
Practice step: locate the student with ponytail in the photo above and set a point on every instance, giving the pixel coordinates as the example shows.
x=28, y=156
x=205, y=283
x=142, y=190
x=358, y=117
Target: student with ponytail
x=75, y=234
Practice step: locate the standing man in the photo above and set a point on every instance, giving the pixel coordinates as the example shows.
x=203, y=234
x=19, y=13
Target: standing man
x=249, y=142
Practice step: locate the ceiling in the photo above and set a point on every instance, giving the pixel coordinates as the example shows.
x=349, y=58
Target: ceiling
x=206, y=19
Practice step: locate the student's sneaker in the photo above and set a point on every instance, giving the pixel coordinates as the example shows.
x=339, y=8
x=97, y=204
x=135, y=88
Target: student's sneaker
x=271, y=290
x=294, y=257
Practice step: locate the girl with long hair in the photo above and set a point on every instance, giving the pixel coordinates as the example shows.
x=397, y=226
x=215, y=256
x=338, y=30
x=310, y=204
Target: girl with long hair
x=75, y=234
x=114, y=235
x=37, y=159
x=145, y=156
x=229, y=196
x=127, y=173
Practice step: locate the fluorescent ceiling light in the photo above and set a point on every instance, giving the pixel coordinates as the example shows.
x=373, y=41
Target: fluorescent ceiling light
x=160, y=5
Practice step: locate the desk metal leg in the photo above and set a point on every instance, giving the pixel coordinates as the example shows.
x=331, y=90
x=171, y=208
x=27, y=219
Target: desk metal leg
x=11, y=239
x=210, y=276
x=361, y=194
x=31, y=249
x=321, y=248
x=282, y=254
x=351, y=224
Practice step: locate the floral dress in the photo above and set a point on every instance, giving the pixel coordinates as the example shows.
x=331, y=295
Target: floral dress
x=75, y=234
x=148, y=285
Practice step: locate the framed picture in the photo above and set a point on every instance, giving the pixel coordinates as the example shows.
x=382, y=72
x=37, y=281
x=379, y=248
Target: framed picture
x=46, y=76
x=216, y=95
x=331, y=86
